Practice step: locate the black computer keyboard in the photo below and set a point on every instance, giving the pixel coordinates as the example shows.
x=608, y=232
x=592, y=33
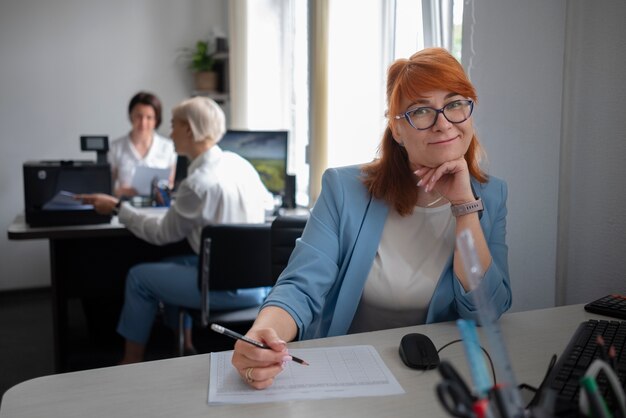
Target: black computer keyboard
x=611, y=305
x=562, y=383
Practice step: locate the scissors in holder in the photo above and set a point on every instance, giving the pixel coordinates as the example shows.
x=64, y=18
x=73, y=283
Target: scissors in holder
x=455, y=399
x=449, y=373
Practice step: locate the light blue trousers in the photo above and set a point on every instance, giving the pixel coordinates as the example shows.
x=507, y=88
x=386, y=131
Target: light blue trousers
x=173, y=281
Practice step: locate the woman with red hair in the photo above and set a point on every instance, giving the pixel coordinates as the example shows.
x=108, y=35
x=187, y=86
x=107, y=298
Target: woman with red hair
x=379, y=248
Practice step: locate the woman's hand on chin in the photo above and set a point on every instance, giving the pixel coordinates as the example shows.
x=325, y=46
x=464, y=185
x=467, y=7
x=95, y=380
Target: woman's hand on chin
x=451, y=179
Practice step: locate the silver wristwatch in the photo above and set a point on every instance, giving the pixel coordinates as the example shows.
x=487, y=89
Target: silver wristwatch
x=465, y=208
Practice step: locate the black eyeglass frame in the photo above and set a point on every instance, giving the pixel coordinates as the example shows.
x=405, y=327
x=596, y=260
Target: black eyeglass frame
x=405, y=115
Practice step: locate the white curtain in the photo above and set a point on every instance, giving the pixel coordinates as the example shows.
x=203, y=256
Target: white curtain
x=268, y=72
x=238, y=55
x=438, y=23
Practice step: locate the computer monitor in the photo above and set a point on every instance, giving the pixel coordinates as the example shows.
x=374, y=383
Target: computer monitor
x=266, y=151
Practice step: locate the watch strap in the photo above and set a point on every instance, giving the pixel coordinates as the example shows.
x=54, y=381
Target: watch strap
x=116, y=208
x=465, y=208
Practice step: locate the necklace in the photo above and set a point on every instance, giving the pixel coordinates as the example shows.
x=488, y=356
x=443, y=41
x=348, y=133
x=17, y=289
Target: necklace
x=434, y=201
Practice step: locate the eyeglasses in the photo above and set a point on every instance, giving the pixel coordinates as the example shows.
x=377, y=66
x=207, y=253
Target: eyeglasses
x=422, y=118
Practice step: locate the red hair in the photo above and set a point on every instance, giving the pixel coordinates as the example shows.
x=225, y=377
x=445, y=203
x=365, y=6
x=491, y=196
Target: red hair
x=390, y=177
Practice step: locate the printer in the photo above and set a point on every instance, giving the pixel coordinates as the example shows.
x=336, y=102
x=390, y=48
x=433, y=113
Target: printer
x=49, y=187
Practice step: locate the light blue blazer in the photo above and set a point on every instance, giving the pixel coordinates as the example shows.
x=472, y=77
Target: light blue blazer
x=322, y=284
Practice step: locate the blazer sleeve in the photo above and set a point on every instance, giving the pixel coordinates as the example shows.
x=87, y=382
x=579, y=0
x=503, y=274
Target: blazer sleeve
x=495, y=287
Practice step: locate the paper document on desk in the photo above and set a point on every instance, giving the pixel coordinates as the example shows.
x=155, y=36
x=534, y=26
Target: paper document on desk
x=65, y=200
x=333, y=372
x=142, y=179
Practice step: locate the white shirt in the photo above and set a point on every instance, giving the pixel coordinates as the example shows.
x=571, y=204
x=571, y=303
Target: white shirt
x=124, y=158
x=412, y=253
x=221, y=187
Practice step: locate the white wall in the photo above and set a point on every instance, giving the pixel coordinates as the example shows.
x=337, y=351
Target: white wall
x=69, y=67
x=517, y=69
x=593, y=206
x=549, y=76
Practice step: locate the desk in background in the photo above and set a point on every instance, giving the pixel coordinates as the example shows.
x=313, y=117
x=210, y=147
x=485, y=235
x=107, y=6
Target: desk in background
x=178, y=387
x=88, y=265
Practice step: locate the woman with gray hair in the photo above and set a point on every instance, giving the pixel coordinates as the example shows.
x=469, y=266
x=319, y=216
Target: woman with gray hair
x=221, y=187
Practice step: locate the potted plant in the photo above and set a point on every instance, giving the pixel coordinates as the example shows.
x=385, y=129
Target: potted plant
x=202, y=64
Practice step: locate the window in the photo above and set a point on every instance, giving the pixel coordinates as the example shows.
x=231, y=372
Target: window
x=364, y=37
x=276, y=76
x=359, y=56
x=356, y=87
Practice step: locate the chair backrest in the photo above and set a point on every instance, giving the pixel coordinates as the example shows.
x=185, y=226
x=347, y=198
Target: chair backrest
x=235, y=256
x=285, y=231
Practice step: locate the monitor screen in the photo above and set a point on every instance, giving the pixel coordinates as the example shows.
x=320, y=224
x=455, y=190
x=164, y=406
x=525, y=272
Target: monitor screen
x=266, y=151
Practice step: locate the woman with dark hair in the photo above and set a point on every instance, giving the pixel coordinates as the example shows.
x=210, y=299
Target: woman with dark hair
x=142, y=146
x=379, y=248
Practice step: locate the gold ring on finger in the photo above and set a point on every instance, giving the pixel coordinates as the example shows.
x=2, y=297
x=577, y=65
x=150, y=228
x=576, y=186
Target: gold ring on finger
x=249, y=378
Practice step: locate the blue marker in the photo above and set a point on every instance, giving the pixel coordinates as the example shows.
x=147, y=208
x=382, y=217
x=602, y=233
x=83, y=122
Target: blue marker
x=474, y=355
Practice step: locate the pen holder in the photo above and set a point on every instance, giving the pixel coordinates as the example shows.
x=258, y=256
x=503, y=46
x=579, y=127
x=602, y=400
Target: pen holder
x=459, y=400
x=160, y=193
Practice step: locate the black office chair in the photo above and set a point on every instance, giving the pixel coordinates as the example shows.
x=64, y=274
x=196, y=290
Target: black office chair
x=232, y=256
x=285, y=230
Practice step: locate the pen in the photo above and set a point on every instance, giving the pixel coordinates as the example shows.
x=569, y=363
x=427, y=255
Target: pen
x=235, y=335
x=589, y=391
x=612, y=357
x=597, y=405
x=602, y=349
x=607, y=354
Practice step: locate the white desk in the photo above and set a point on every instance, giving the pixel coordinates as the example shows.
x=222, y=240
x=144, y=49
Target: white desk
x=178, y=387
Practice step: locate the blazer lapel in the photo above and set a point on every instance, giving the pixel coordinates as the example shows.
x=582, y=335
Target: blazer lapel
x=359, y=266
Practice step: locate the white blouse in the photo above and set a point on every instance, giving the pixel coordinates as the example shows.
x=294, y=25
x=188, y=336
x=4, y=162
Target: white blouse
x=412, y=253
x=124, y=158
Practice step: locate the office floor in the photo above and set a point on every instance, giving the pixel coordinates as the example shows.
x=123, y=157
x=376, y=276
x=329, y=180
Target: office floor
x=26, y=340
x=25, y=337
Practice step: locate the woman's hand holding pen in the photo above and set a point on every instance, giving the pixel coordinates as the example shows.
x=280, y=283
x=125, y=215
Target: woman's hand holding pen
x=257, y=366
x=451, y=179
